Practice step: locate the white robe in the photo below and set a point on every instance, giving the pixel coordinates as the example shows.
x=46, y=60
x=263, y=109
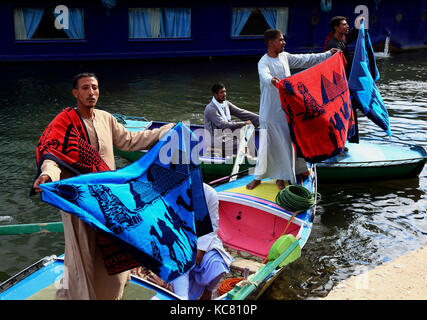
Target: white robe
x=211, y=241
x=276, y=155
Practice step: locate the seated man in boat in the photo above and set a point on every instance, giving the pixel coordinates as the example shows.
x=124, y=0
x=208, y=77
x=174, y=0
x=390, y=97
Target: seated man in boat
x=212, y=260
x=223, y=133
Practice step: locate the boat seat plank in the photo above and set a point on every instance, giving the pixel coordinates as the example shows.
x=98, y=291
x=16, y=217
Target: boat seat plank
x=47, y=293
x=131, y=292
x=239, y=265
x=266, y=190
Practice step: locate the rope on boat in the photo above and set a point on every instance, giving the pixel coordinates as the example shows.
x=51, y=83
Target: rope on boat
x=227, y=285
x=295, y=198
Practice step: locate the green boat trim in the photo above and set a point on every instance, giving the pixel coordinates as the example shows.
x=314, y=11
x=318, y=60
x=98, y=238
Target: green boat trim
x=31, y=228
x=211, y=168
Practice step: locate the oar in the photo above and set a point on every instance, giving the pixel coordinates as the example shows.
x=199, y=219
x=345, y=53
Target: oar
x=286, y=257
x=30, y=228
x=227, y=178
x=245, y=134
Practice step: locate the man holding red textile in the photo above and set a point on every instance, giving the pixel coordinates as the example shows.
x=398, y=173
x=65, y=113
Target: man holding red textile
x=276, y=156
x=81, y=141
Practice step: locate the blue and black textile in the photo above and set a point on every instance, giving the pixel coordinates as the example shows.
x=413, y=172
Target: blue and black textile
x=364, y=73
x=65, y=141
x=152, y=210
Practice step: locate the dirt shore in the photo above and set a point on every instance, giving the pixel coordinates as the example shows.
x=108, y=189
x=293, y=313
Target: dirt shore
x=404, y=278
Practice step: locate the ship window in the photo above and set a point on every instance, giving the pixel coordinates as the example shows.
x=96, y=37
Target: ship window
x=59, y=23
x=152, y=23
x=254, y=21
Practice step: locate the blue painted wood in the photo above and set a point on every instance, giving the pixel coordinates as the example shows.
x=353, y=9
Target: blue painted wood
x=47, y=272
x=107, y=35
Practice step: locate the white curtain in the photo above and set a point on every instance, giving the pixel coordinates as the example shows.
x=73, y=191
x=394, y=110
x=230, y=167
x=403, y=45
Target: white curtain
x=282, y=19
x=155, y=19
x=26, y=22
x=18, y=18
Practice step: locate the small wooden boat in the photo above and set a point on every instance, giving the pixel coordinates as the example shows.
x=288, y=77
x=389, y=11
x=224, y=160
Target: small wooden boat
x=251, y=223
x=371, y=159
x=39, y=282
x=252, y=227
x=212, y=167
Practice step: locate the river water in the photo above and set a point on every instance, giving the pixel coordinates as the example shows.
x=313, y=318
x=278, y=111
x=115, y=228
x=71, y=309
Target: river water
x=357, y=226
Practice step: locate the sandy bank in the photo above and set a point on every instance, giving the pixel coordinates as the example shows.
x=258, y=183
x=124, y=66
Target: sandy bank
x=404, y=278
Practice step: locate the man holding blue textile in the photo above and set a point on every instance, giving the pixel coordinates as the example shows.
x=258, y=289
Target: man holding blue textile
x=339, y=37
x=81, y=141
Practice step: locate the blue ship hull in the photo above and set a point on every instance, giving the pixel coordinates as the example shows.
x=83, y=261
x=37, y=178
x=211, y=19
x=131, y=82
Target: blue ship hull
x=106, y=30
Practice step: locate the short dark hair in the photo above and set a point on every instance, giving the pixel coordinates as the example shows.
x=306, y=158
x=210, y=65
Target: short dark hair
x=217, y=86
x=82, y=75
x=271, y=34
x=335, y=22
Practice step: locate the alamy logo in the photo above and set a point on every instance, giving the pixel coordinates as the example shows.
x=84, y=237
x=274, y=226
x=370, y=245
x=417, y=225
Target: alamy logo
x=363, y=14
x=61, y=14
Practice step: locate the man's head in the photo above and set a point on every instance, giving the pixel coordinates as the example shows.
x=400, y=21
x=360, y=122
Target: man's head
x=86, y=90
x=273, y=39
x=219, y=92
x=339, y=24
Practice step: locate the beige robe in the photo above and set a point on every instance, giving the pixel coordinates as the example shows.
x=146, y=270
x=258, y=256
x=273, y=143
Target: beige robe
x=85, y=276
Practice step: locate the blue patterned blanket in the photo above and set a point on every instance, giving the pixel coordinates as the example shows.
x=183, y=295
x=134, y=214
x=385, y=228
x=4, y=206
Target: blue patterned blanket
x=364, y=73
x=152, y=210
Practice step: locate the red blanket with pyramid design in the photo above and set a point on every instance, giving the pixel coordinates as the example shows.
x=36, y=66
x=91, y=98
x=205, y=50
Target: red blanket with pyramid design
x=318, y=109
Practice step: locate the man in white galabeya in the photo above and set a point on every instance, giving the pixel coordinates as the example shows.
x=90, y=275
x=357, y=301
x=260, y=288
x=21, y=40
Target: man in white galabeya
x=276, y=156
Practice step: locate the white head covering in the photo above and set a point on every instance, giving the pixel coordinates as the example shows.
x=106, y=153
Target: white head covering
x=223, y=109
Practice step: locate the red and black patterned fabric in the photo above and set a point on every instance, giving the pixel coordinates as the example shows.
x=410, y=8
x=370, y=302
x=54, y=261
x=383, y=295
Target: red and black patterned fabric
x=318, y=108
x=66, y=141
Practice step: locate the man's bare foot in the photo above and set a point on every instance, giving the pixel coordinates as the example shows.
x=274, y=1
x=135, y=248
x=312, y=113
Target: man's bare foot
x=251, y=185
x=206, y=295
x=280, y=184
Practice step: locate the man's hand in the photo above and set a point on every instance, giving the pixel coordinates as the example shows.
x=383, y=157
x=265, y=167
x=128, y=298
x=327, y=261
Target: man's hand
x=248, y=122
x=199, y=256
x=274, y=80
x=167, y=127
x=44, y=178
x=334, y=50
